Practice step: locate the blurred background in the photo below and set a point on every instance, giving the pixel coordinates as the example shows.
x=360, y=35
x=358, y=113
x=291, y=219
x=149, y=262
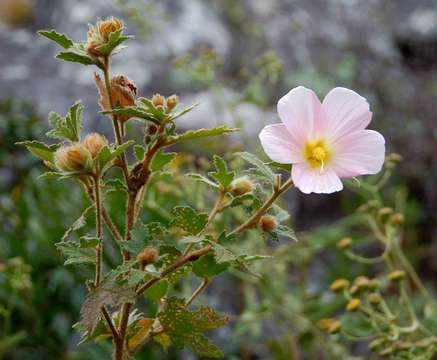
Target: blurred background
x=236, y=58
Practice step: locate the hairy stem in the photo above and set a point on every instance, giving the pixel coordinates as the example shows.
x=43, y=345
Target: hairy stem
x=99, y=230
x=278, y=190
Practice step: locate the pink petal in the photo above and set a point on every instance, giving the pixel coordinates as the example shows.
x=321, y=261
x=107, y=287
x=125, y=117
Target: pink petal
x=299, y=110
x=359, y=153
x=279, y=145
x=309, y=180
x=344, y=111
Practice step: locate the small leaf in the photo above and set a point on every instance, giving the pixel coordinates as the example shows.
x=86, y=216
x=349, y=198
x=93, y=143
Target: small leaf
x=41, y=150
x=188, y=219
x=222, y=175
x=142, y=236
x=79, y=223
x=58, y=38
x=157, y=291
x=263, y=168
x=207, y=267
x=68, y=127
x=161, y=159
x=109, y=294
x=139, y=152
x=286, y=167
x=282, y=230
x=76, y=252
x=77, y=54
x=186, y=328
x=114, y=39
x=108, y=153
x=132, y=112
x=183, y=112
x=203, y=179
x=201, y=133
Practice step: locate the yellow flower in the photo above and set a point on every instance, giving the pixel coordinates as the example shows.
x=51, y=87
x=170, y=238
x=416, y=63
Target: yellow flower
x=353, y=304
x=339, y=284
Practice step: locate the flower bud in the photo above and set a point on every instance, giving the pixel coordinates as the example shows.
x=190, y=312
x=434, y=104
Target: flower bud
x=335, y=327
x=241, y=186
x=73, y=158
x=148, y=256
x=396, y=275
x=344, y=243
x=172, y=101
x=397, y=219
x=98, y=34
x=353, y=304
x=374, y=298
x=268, y=223
x=325, y=323
x=339, y=284
x=159, y=101
x=94, y=142
x=362, y=282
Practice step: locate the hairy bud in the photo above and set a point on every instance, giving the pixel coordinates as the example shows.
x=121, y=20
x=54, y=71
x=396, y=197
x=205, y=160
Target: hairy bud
x=159, y=101
x=353, y=304
x=396, y=275
x=397, y=219
x=344, y=243
x=94, y=142
x=172, y=101
x=73, y=158
x=98, y=34
x=339, y=284
x=241, y=186
x=148, y=256
x=268, y=223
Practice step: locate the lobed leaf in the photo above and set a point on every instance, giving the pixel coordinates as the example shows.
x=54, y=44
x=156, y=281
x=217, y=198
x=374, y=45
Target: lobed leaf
x=161, y=159
x=222, y=175
x=203, y=179
x=58, y=38
x=201, y=133
x=207, y=267
x=77, y=53
x=68, y=127
x=260, y=165
x=41, y=150
x=188, y=219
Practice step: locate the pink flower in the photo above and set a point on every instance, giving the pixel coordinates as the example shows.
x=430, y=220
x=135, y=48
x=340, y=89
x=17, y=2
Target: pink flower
x=324, y=141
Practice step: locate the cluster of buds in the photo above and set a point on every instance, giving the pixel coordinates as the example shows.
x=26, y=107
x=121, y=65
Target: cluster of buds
x=168, y=103
x=98, y=34
x=123, y=93
x=78, y=157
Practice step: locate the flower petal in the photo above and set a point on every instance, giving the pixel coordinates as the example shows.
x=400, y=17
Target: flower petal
x=359, y=153
x=344, y=111
x=309, y=180
x=299, y=110
x=279, y=145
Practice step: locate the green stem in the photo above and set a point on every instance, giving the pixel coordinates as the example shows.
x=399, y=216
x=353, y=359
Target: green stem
x=99, y=230
x=196, y=293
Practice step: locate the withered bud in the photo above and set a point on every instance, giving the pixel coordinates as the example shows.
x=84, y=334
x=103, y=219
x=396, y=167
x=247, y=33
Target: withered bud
x=73, y=158
x=172, y=101
x=374, y=298
x=396, y=275
x=241, y=186
x=344, y=243
x=123, y=93
x=98, y=34
x=159, y=100
x=397, y=219
x=268, y=223
x=94, y=142
x=339, y=284
x=353, y=304
x=148, y=256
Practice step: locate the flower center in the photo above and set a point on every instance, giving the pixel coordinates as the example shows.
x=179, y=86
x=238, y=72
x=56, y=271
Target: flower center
x=316, y=153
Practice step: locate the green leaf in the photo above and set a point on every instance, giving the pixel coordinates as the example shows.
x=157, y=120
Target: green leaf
x=286, y=167
x=201, y=133
x=41, y=150
x=77, y=252
x=203, y=179
x=242, y=200
x=58, y=38
x=263, y=168
x=207, y=267
x=109, y=294
x=188, y=219
x=157, y=291
x=114, y=39
x=115, y=185
x=222, y=254
x=169, y=255
x=182, y=112
x=285, y=231
x=142, y=236
x=139, y=151
x=132, y=112
x=108, y=153
x=186, y=328
x=222, y=175
x=161, y=159
x=77, y=53
x=79, y=223
x=68, y=127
